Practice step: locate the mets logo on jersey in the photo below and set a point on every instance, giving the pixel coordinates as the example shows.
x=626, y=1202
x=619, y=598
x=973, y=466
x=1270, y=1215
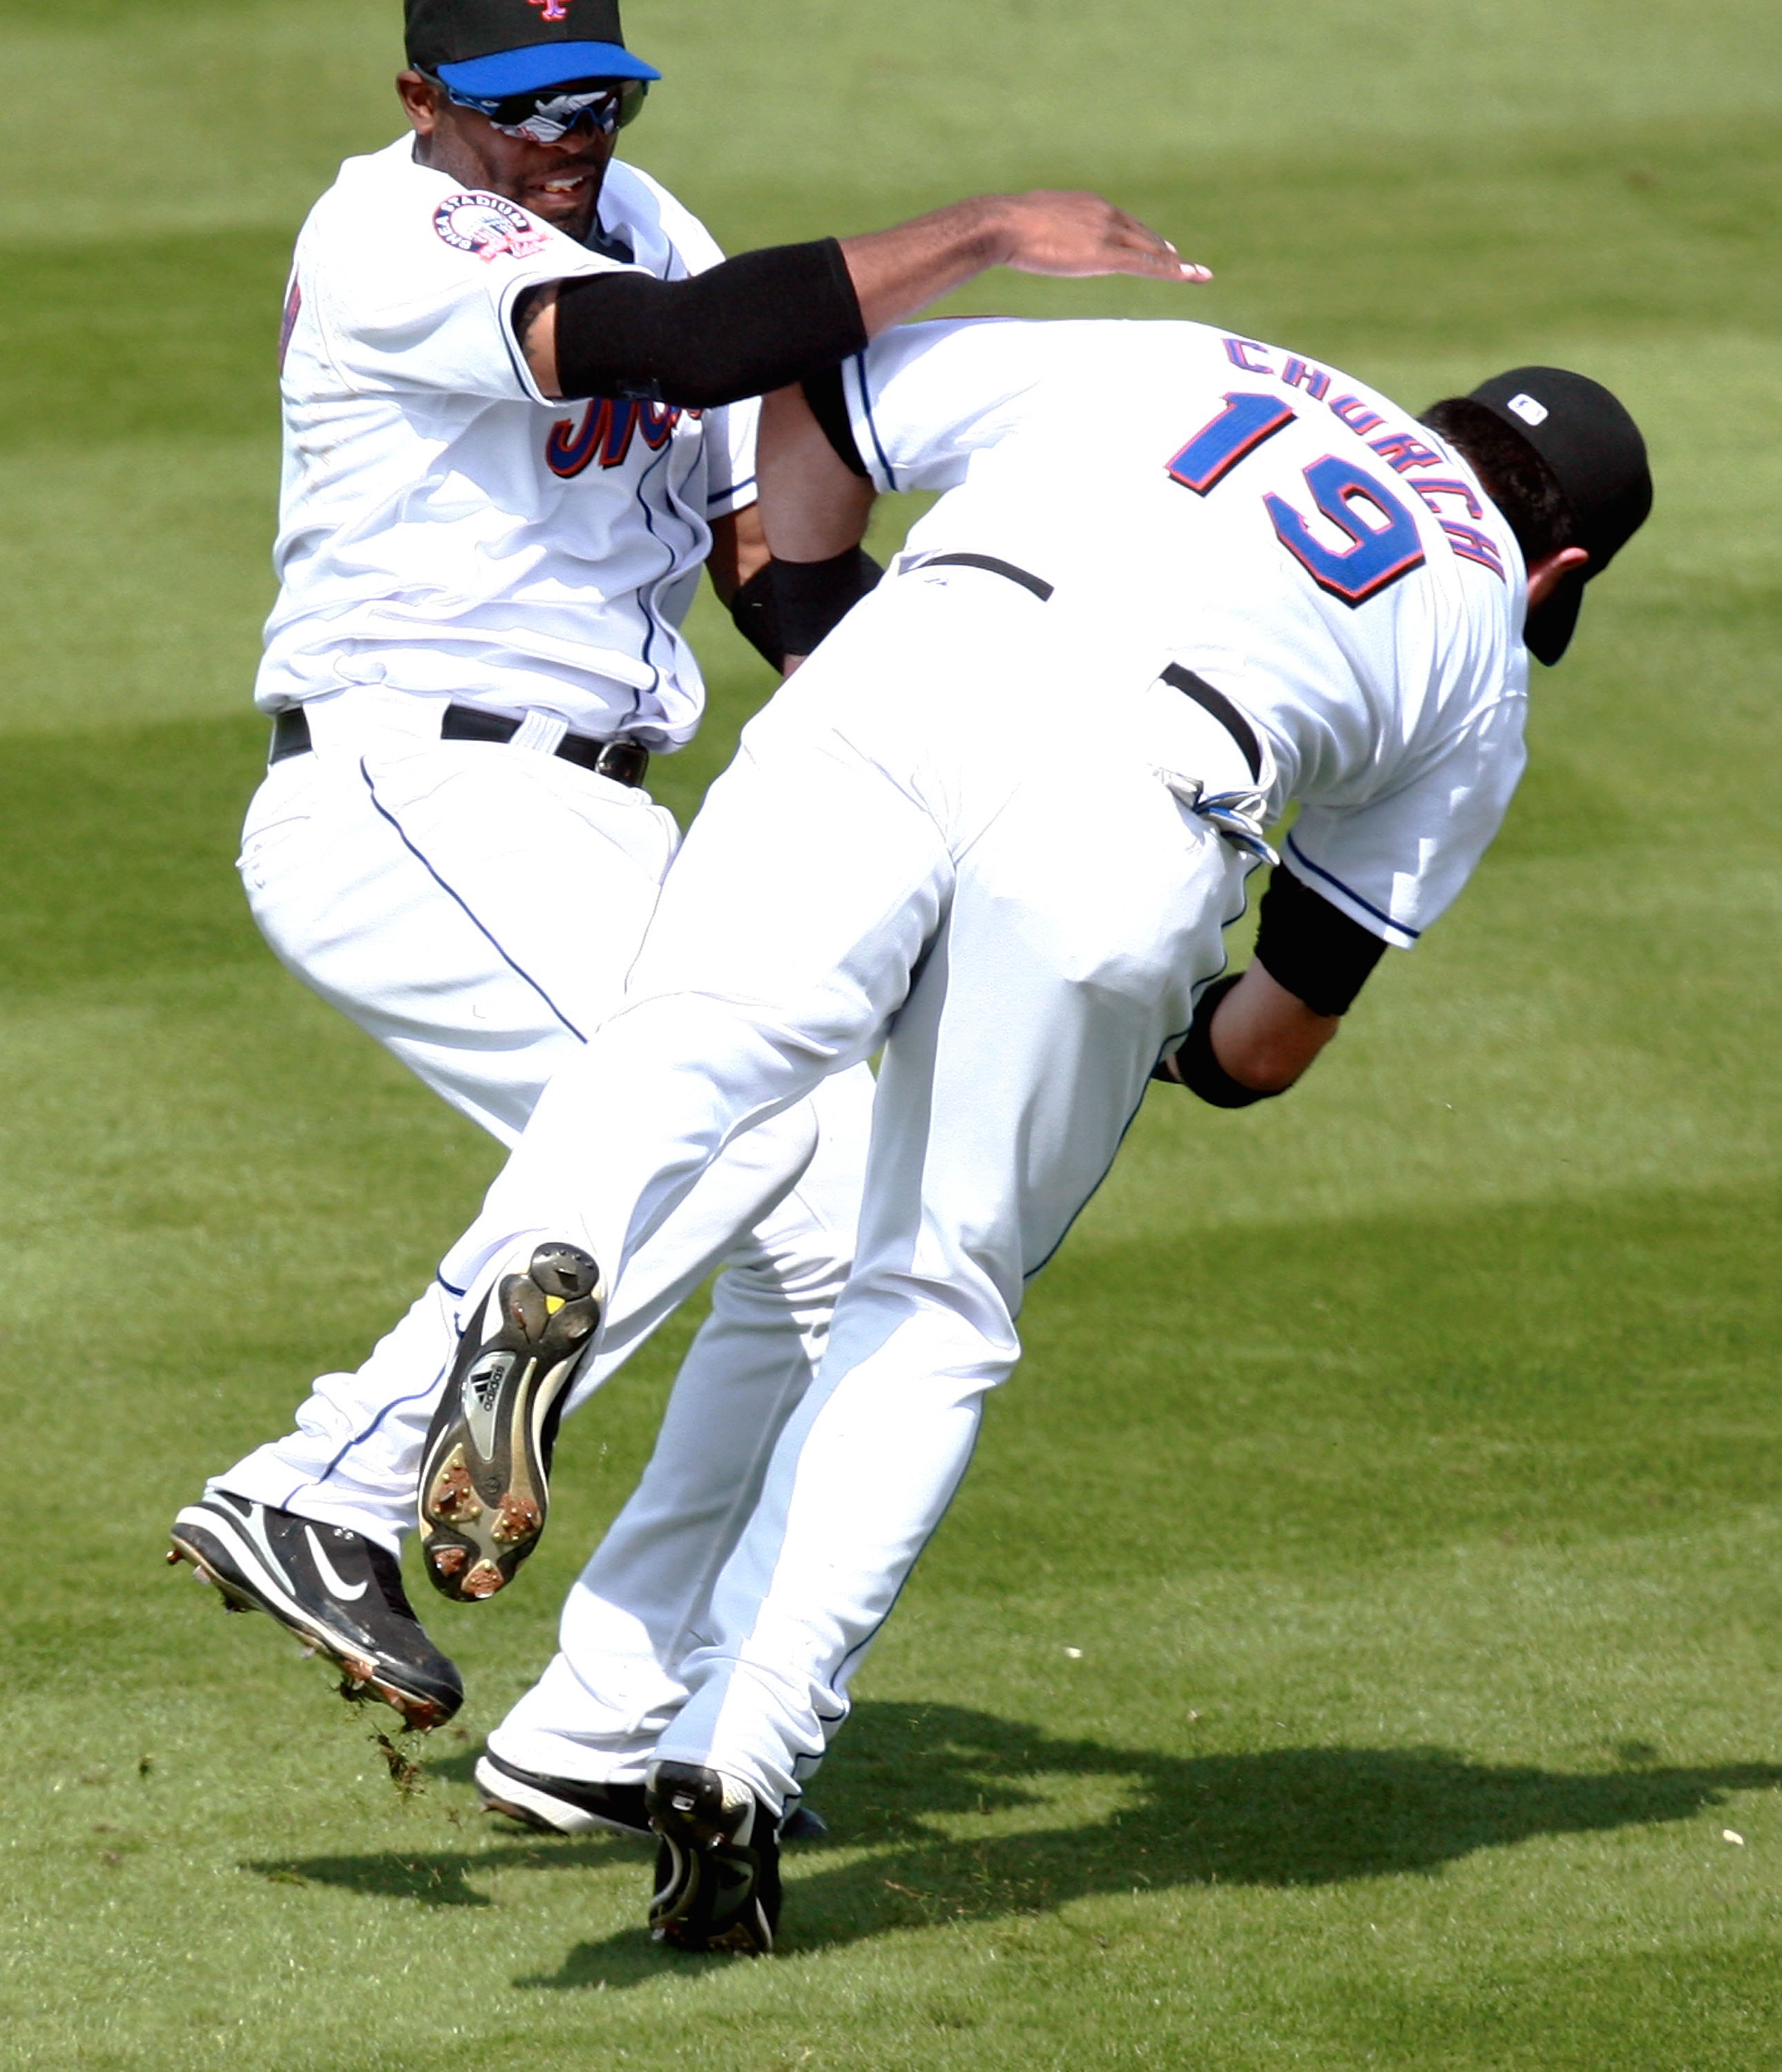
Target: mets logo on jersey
x=489, y=226
x=605, y=432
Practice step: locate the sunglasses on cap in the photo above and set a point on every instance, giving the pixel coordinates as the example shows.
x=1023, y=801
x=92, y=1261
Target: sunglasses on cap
x=549, y=114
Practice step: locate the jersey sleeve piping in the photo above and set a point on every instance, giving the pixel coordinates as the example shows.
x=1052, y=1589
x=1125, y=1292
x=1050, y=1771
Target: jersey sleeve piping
x=860, y=393
x=737, y=496
x=522, y=366
x=1352, y=903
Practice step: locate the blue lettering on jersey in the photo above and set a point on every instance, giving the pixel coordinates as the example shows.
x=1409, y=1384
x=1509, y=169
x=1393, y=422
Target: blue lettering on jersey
x=1247, y=356
x=1466, y=540
x=1401, y=453
x=1246, y=421
x=1356, y=414
x=1377, y=555
x=1296, y=374
x=607, y=428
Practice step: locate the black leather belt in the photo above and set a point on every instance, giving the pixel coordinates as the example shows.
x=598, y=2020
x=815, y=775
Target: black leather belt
x=1222, y=710
x=624, y=761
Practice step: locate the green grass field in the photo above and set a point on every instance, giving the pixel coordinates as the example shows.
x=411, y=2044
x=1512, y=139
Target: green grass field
x=1359, y=1641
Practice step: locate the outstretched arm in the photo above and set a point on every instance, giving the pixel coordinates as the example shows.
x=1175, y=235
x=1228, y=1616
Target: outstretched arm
x=897, y=272
x=771, y=316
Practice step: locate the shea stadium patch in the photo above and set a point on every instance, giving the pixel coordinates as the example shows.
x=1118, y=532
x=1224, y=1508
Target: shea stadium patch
x=488, y=226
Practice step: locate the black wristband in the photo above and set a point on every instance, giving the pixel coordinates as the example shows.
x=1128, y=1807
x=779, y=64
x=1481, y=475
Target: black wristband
x=755, y=605
x=815, y=597
x=1311, y=948
x=763, y=320
x=828, y=404
x=1197, y=1069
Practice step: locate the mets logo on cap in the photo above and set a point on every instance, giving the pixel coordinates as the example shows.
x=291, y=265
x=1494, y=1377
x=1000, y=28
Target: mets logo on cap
x=488, y=225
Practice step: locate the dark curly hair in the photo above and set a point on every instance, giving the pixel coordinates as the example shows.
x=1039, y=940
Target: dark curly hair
x=1518, y=481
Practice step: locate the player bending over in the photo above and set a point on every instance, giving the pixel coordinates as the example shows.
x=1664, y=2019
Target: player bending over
x=476, y=651
x=997, y=824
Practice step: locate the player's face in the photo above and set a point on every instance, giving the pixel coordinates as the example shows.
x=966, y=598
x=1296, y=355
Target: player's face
x=559, y=181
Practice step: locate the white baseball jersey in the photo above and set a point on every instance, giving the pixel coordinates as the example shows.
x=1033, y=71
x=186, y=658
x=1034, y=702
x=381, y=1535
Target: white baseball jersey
x=444, y=528
x=1288, y=535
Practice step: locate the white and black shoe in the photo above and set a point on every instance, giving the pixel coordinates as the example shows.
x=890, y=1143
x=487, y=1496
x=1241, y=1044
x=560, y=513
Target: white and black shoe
x=484, y=1475
x=337, y=1591
x=718, y=1867
x=572, y=1806
x=559, y=1805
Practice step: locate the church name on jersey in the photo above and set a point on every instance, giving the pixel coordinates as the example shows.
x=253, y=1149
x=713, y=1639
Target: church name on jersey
x=1403, y=451
x=605, y=431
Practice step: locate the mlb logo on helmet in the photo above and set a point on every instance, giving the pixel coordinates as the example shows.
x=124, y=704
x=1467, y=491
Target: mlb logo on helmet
x=494, y=47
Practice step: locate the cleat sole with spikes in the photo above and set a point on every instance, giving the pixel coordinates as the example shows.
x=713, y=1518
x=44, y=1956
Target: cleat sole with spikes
x=485, y=1473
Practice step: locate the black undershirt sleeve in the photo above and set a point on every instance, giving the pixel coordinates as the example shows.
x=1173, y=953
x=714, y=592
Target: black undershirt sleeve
x=761, y=321
x=828, y=404
x=1312, y=948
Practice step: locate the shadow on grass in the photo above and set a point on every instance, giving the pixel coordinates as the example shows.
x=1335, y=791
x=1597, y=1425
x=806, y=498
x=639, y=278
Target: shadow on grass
x=909, y=1784
x=1058, y=1820
x=438, y=1877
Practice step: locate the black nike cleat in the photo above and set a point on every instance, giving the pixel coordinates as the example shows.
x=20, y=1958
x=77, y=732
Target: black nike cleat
x=718, y=1867
x=560, y=1805
x=484, y=1475
x=338, y=1592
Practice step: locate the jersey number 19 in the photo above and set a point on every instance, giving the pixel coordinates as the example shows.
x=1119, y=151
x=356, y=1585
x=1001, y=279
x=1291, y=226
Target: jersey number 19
x=1382, y=534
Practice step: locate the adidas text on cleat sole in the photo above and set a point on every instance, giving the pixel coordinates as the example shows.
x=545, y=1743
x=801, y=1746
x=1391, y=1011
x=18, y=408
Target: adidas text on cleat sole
x=717, y=1864
x=485, y=1471
x=340, y=1595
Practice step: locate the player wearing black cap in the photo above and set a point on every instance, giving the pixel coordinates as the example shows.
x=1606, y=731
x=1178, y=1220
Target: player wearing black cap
x=1566, y=449
x=1177, y=581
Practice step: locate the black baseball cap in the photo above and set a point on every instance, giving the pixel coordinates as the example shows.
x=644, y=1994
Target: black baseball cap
x=1585, y=436
x=494, y=47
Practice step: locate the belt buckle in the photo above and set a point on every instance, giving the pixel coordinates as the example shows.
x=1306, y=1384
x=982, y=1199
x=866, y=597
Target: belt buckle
x=623, y=762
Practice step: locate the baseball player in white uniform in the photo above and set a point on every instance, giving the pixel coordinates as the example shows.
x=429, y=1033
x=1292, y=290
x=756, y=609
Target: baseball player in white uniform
x=476, y=649
x=1178, y=580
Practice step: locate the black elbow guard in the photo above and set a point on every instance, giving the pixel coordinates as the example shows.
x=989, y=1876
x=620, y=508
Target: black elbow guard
x=754, y=607
x=1197, y=1069
x=1311, y=948
x=761, y=321
x=815, y=597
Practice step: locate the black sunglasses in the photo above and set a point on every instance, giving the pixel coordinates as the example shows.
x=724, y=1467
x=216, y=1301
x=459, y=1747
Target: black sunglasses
x=549, y=114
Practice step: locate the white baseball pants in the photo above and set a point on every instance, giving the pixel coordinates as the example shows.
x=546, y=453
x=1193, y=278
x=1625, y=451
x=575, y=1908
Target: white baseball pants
x=949, y=837
x=476, y=907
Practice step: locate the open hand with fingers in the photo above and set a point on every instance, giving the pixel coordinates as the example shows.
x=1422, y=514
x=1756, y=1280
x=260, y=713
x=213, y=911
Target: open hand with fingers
x=897, y=272
x=1077, y=235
